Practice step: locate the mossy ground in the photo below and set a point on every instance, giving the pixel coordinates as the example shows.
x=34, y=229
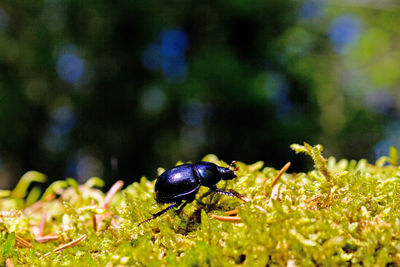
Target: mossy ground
x=342, y=213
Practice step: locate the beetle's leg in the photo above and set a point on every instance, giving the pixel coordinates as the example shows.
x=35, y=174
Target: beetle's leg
x=179, y=210
x=206, y=194
x=187, y=201
x=155, y=215
x=231, y=193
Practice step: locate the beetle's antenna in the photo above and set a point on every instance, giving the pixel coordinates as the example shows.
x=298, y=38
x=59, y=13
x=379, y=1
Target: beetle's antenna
x=155, y=215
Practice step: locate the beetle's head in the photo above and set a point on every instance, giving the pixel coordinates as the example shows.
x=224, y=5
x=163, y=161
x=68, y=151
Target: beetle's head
x=229, y=173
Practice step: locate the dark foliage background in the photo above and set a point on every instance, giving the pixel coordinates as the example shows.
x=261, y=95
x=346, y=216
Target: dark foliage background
x=118, y=88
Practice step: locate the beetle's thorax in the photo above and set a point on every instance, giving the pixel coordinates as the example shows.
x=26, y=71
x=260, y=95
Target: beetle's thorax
x=207, y=173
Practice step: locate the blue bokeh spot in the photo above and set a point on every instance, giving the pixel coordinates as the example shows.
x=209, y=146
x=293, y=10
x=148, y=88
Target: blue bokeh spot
x=70, y=67
x=344, y=30
x=168, y=56
x=310, y=10
x=173, y=43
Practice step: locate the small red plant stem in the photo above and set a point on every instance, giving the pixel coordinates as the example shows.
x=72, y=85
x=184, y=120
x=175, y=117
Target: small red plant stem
x=282, y=171
x=226, y=218
x=47, y=238
x=68, y=245
x=94, y=218
x=111, y=193
x=22, y=242
x=112, y=232
x=232, y=212
x=313, y=198
x=42, y=224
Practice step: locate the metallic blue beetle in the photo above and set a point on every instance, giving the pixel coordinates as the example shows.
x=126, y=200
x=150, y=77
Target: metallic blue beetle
x=179, y=185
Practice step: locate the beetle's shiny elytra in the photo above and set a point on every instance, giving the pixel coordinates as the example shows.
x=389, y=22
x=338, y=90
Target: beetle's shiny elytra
x=179, y=185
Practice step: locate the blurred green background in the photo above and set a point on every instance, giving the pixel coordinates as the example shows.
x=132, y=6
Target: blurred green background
x=118, y=88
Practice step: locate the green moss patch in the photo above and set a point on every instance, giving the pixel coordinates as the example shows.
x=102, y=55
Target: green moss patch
x=341, y=213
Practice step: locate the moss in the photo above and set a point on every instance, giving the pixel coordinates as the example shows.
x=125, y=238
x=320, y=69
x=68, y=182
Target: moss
x=341, y=213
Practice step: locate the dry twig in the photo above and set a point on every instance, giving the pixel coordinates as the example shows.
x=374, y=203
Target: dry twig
x=68, y=245
x=281, y=172
x=111, y=193
x=112, y=232
x=232, y=212
x=22, y=242
x=42, y=225
x=226, y=218
x=94, y=219
x=47, y=238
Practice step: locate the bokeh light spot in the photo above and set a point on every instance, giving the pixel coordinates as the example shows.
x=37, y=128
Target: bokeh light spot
x=70, y=67
x=83, y=165
x=169, y=55
x=152, y=100
x=310, y=10
x=344, y=30
x=173, y=43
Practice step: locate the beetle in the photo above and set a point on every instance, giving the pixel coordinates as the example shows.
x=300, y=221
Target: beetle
x=179, y=185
